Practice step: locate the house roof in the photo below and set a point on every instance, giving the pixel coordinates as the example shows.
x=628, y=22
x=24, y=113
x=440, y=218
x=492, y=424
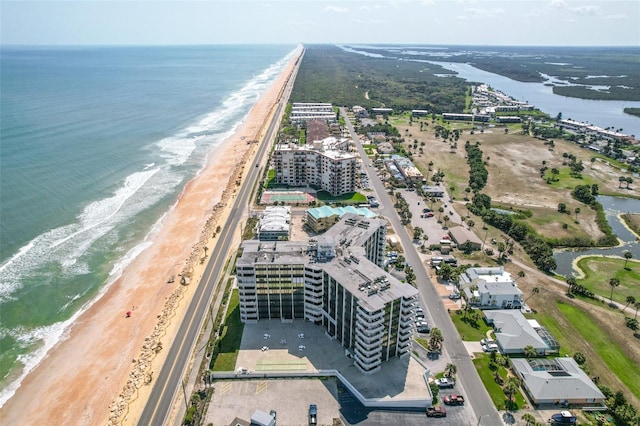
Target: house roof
x=556, y=379
x=513, y=331
x=461, y=235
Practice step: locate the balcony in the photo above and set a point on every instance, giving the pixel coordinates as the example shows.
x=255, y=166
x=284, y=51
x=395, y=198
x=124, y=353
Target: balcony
x=369, y=330
x=369, y=323
x=368, y=355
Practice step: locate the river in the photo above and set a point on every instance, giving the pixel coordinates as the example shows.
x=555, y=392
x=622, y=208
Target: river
x=613, y=207
x=599, y=113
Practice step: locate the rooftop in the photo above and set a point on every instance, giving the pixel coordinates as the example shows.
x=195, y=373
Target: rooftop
x=556, y=379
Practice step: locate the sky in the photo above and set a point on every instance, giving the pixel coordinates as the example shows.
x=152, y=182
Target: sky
x=468, y=22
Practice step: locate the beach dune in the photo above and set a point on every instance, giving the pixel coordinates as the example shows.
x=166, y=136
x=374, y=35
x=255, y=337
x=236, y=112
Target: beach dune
x=98, y=374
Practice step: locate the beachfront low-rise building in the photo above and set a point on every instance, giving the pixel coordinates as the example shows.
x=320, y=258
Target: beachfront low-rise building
x=325, y=164
x=275, y=224
x=335, y=281
x=302, y=112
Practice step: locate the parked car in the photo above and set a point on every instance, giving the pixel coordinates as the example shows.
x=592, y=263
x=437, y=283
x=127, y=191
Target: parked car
x=436, y=412
x=423, y=329
x=445, y=382
x=564, y=418
x=453, y=399
x=491, y=347
x=454, y=296
x=426, y=210
x=428, y=214
x=487, y=341
x=313, y=414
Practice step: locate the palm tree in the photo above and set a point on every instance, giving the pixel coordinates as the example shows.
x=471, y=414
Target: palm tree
x=471, y=223
x=436, y=339
x=637, y=306
x=529, y=351
x=613, y=282
x=511, y=388
x=451, y=369
x=630, y=301
x=627, y=256
x=529, y=419
x=521, y=274
x=446, y=219
x=577, y=210
x=571, y=282
x=534, y=291
x=440, y=210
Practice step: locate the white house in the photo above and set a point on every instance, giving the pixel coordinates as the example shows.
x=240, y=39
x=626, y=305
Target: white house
x=490, y=288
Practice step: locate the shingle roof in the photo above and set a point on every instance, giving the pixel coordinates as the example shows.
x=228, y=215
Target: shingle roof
x=556, y=379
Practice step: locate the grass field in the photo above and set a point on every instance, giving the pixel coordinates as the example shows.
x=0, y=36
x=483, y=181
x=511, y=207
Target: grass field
x=231, y=336
x=599, y=270
x=470, y=329
x=481, y=362
x=621, y=365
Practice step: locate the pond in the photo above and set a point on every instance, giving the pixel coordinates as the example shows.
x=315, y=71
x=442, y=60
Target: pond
x=613, y=207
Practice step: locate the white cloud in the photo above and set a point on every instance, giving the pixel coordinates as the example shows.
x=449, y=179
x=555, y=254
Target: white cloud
x=475, y=12
x=586, y=10
x=558, y=3
x=336, y=9
x=618, y=16
x=372, y=7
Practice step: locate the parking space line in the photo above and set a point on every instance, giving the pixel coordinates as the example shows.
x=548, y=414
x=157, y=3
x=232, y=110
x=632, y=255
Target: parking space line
x=226, y=387
x=261, y=386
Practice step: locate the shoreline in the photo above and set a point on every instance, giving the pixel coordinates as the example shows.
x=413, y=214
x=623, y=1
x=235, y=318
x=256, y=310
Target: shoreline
x=107, y=357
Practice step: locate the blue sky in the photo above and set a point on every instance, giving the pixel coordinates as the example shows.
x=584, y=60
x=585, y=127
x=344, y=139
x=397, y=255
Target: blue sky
x=478, y=22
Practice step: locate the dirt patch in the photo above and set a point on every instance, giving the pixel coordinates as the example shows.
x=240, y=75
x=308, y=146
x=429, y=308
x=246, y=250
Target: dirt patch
x=514, y=162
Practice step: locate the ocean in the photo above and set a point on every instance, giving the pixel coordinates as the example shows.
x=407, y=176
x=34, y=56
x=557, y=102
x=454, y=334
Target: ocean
x=96, y=145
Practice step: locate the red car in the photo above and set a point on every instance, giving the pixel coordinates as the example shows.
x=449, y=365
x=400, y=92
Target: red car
x=453, y=399
x=436, y=412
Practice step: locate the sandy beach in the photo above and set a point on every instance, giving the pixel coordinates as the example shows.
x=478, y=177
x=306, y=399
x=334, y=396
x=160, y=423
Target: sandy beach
x=98, y=374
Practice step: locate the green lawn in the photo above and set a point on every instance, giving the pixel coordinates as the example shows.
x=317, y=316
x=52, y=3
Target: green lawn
x=599, y=270
x=621, y=365
x=231, y=336
x=353, y=198
x=566, y=181
x=470, y=328
x=561, y=334
x=481, y=362
x=423, y=342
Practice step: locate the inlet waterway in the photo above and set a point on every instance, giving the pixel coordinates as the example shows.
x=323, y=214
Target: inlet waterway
x=596, y=112
x=614, y=207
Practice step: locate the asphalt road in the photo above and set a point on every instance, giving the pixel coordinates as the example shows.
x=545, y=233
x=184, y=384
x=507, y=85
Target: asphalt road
x=169, y=380
x=468, y=377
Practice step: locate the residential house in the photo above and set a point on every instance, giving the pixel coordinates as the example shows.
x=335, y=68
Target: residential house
x=490, y=288
x=514, y=332
x=558, y=381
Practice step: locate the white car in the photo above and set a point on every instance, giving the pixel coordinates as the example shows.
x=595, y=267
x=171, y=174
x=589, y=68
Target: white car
x=487, y=341
x=491, y=347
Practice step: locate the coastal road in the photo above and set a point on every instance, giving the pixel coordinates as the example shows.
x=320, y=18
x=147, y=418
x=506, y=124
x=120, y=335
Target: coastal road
x=477, y=395
x=169, y=380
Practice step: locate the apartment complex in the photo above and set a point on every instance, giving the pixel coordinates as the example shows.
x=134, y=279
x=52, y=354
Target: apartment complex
x=335, y=281
x=325, y=164
x=302, y=112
